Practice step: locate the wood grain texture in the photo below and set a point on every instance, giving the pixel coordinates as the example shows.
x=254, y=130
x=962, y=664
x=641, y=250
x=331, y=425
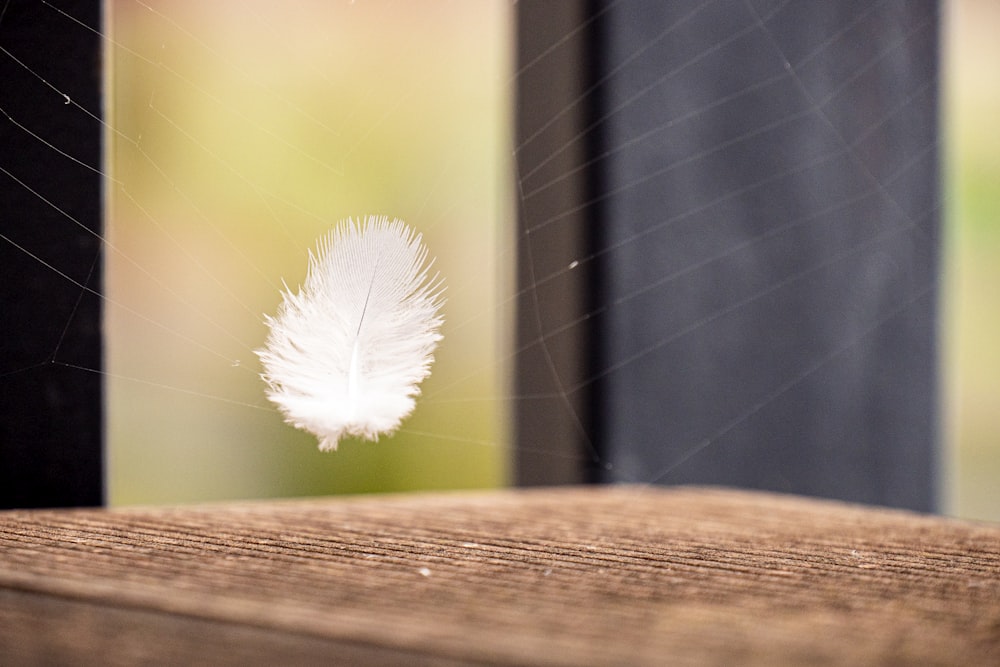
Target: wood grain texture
x=572, y=576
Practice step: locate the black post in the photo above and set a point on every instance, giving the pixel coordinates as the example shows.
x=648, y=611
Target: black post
x=768, y=207
x=553, y=422
x=50, y=333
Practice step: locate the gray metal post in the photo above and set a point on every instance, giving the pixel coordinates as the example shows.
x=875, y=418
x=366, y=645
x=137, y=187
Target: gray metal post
x=767, y=216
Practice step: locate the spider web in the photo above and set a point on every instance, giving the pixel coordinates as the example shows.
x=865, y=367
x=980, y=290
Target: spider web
x=238, y=133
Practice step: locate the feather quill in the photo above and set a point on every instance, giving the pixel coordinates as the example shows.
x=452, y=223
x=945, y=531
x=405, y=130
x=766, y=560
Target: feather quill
x=346, y=353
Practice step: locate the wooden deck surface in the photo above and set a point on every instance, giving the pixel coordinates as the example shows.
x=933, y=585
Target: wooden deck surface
x=570, y=576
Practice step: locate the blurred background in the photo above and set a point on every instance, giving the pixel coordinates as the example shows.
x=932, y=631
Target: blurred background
x=245, y=130
x=971, y=305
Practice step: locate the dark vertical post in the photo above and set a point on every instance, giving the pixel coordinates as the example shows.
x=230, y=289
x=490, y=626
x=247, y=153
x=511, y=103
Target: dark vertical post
x=772, y=220
x=765, y=200
x=50, y=408
x=555, y=102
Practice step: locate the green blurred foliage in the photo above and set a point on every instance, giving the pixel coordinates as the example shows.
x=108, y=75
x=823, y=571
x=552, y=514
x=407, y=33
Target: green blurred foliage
x=971, y=309
x=240, y=133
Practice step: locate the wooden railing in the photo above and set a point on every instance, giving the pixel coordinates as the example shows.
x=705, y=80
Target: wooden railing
x=571, y=576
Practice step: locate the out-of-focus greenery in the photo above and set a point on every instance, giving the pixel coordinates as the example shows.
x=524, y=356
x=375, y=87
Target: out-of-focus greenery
x=971, y=303
x=240, y=133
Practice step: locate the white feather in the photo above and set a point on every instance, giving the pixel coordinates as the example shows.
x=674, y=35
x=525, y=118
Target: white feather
x=346, y=354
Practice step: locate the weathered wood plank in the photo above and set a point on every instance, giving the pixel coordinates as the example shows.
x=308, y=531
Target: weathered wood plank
x=612, y=575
